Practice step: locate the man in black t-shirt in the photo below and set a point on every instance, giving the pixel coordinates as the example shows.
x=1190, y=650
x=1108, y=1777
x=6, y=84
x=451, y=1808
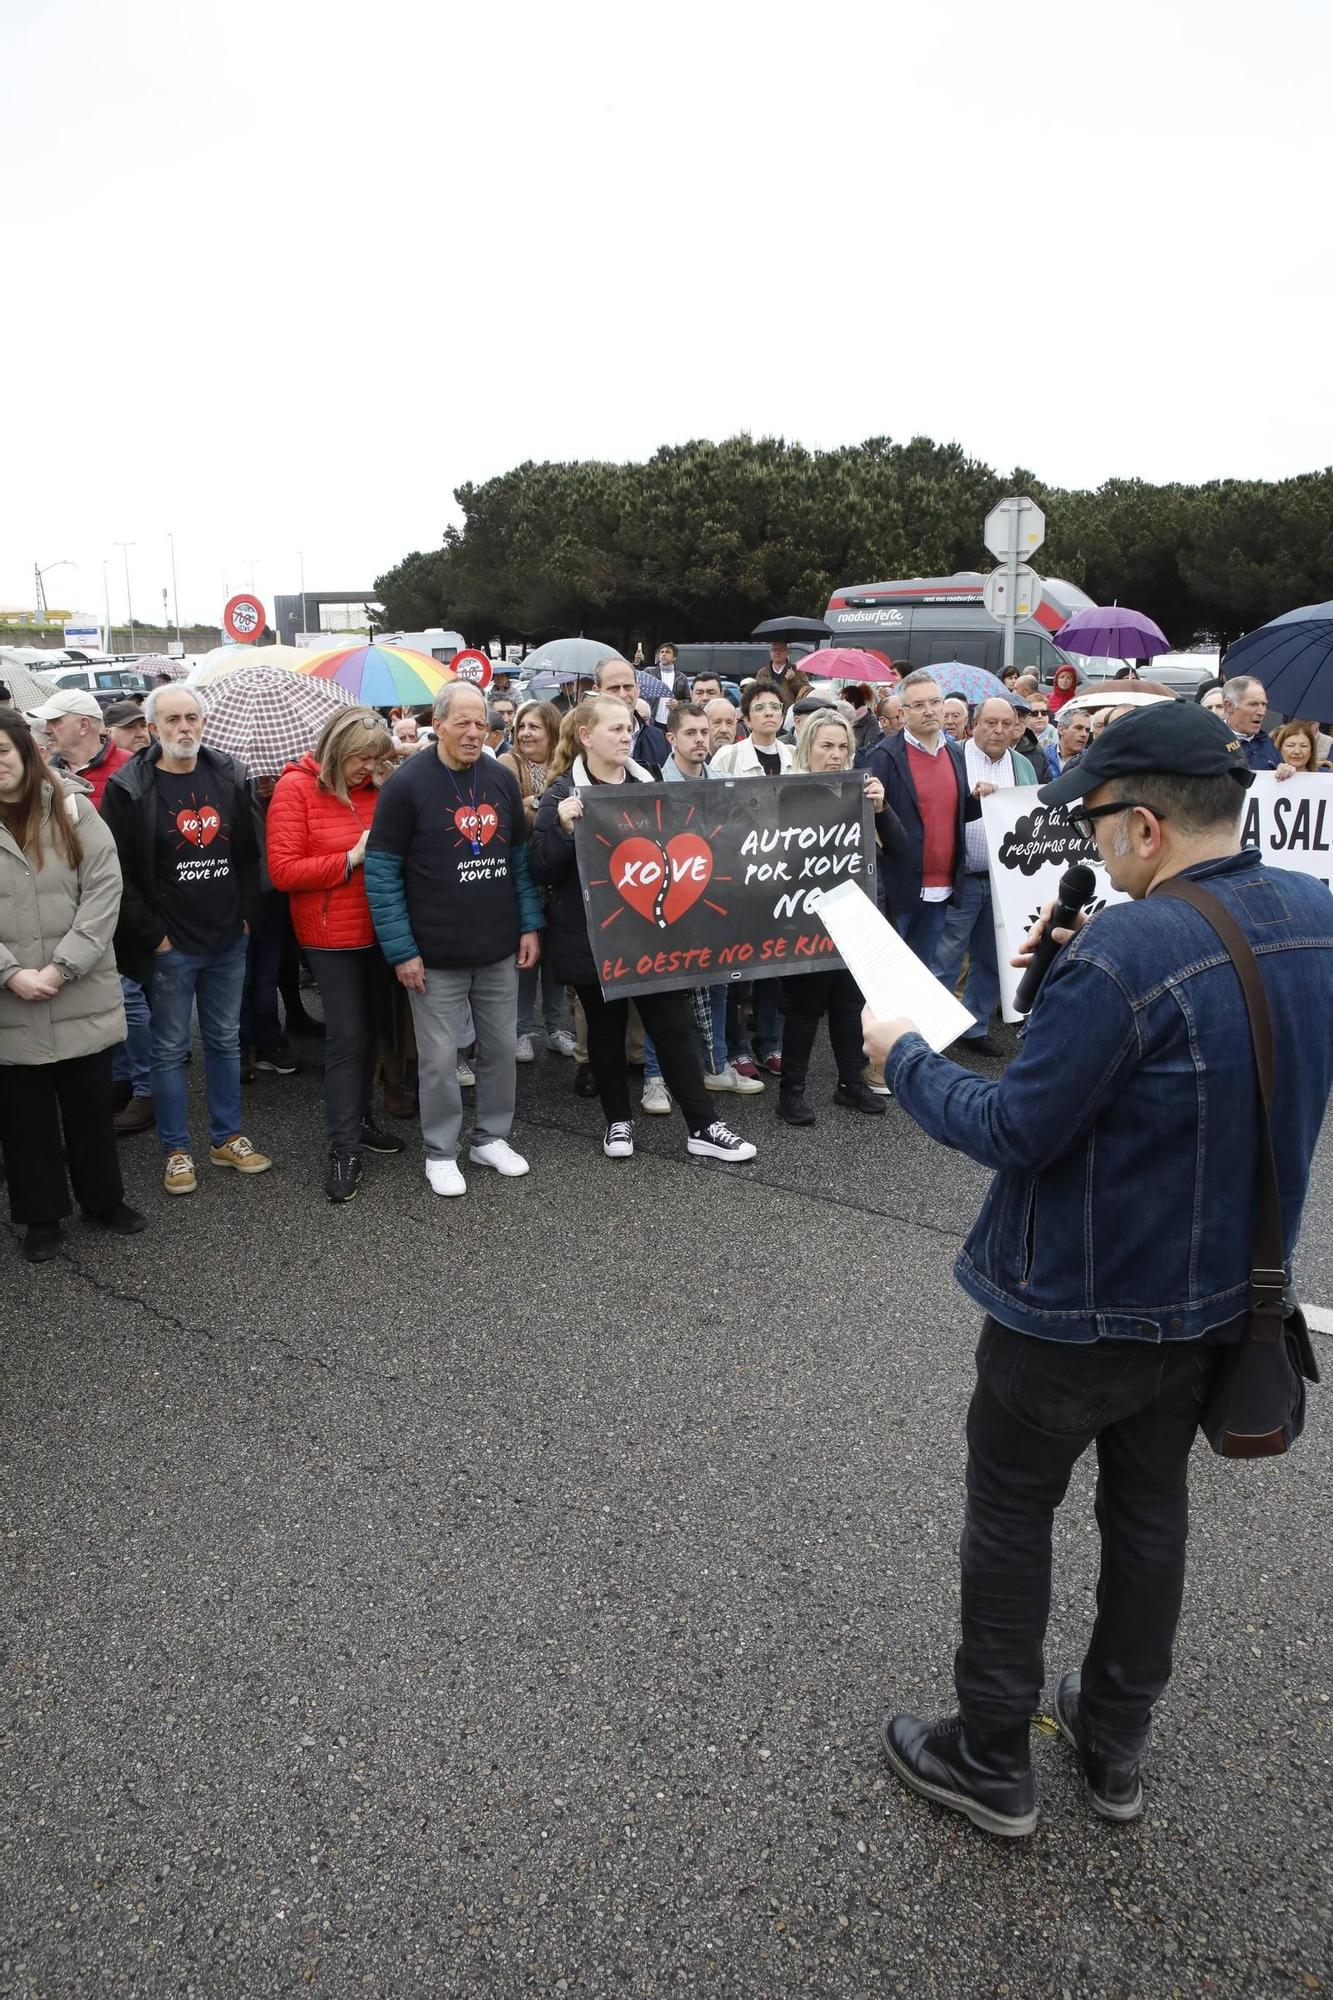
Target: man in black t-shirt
x=457, y=917
x=183, y=820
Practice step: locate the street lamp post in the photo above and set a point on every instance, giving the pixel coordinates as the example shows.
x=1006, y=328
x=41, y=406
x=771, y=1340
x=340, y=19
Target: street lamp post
x=175, y=594
x=125, y=548
x=106, y=599
x=39, y=592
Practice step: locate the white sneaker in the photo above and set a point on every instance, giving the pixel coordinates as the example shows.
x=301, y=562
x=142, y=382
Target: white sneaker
x=656, y=1097
x=444, y=1177
x=719, y=1142
x=561, y=1043
x=523, y=1050
x=619, y=1141
x=730, y=1078
x=465, y=1077
x=498, y=1153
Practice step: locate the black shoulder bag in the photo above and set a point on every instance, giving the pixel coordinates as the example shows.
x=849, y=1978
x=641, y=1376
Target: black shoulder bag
x=1257, y=1406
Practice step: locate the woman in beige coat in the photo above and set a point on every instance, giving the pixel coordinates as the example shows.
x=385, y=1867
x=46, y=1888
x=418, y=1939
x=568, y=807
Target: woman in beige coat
x=60, y=1006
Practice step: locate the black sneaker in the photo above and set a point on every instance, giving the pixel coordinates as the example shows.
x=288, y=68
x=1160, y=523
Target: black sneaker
x=42, y=1242
x=989, y=1778
x=122, y=1219
x=619, y=1141
x=859, y=1096
x=279, y=1059
x=343, y=1177
x=374, y=1138
x=1114, y=1790
x=794, y=1106
x=718, y=1142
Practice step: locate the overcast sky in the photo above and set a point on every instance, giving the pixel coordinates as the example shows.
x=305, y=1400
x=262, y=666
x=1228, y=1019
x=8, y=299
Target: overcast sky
x=281, y=275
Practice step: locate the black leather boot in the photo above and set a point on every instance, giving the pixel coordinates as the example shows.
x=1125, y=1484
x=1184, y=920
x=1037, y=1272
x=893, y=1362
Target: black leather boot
x=793, y=1104
x=1114, y=1789
x=987, y=1777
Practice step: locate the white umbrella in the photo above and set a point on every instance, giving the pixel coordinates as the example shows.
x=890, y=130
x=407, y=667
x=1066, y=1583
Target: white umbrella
x=225, y=660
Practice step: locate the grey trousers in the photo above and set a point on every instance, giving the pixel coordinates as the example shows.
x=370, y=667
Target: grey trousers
x=439, y=1016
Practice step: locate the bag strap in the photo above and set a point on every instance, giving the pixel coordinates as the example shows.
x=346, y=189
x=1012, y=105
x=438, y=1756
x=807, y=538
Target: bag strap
x=1268, y=1268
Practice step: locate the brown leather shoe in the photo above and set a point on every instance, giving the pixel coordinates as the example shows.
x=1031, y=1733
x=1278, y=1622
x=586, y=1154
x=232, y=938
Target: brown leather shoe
x=137, y=1116
x=400, y=1102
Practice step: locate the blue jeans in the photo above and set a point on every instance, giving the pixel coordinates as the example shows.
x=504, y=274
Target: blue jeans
x=555, y=1001
x=132, y=1059
x=216, y=981
x=765, y=1024
x=922, y=927
x=970, y=927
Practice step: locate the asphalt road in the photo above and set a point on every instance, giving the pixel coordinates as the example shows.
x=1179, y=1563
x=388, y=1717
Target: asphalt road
x=500, y=1596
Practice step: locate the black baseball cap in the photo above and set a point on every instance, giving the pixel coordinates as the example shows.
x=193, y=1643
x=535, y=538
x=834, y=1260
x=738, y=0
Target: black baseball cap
x=121, y=712
x=1177, y=738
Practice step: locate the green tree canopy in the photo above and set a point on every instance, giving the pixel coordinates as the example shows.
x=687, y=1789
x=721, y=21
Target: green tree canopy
x=702, y=540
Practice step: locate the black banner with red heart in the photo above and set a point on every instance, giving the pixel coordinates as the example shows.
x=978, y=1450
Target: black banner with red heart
x=704, y=884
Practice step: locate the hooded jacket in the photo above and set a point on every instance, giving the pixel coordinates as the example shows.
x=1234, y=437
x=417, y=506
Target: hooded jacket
x=310, y=832
x=66, y=917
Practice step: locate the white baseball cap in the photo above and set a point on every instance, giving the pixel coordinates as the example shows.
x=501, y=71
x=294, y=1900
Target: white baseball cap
x=69, y=701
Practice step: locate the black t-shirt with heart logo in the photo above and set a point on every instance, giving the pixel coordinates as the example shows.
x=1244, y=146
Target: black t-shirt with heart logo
x=455, y=832
x=195, y=886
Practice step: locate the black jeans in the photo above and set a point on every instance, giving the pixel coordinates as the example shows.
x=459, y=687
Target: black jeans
x=1037, y=1406
x=668, y=1018
x=804, y=1000
x=39, y=1102
x=352, y=986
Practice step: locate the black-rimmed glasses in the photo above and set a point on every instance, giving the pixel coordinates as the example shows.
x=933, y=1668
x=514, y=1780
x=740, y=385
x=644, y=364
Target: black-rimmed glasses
x=1085, y=819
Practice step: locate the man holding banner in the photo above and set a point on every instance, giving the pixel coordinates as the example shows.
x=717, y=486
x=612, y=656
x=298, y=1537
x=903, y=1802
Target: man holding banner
x=1113, y=1251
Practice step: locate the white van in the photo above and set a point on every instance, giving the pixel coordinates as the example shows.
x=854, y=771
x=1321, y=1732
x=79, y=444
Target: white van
x=436, y=642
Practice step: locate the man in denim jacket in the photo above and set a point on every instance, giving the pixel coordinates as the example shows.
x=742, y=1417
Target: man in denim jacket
x=1112, y=1252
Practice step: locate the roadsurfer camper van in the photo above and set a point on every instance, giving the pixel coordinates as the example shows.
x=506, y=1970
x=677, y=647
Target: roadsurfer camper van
x=925, y=619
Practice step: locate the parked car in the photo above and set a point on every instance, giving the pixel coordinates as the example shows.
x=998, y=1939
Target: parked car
x=1181, y=672
x=107, y=683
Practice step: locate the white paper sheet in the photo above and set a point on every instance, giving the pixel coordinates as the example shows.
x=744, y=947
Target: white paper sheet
x=892, y=978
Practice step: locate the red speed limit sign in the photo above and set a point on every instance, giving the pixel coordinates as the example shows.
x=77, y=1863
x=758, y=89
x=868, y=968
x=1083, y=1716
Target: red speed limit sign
x=243, y=619
x=472, y=665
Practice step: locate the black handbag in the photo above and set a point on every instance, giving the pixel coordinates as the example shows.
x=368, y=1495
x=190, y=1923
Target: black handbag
x=1257, y=1405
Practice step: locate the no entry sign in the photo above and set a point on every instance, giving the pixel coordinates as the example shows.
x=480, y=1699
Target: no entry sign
x=243, y=618
x=703, y=884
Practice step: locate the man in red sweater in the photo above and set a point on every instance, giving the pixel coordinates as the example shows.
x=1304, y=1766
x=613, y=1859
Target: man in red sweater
x=925, y=781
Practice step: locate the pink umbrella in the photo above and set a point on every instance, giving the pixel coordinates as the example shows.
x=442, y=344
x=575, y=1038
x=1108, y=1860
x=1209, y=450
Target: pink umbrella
x=848, y=663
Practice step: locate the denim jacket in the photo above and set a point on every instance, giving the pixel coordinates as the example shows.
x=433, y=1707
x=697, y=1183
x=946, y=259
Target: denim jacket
x=1124, y=1136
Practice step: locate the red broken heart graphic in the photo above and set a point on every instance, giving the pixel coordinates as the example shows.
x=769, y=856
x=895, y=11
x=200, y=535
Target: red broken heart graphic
x=477, y=825
x=662, y=884
x=199, y=824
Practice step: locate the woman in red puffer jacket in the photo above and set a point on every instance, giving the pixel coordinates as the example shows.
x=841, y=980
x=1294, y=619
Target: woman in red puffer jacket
x=318, y=820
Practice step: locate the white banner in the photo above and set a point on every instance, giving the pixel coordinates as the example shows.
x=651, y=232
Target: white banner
x=1031, y=845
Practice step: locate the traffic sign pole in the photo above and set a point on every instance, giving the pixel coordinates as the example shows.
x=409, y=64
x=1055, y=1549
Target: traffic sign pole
x=1015, y=529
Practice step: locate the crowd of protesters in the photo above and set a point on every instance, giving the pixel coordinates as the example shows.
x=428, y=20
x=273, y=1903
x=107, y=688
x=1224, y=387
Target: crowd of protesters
x=418, y=871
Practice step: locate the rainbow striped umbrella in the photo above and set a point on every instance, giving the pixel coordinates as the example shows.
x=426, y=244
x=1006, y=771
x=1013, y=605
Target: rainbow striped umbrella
x=380, y=676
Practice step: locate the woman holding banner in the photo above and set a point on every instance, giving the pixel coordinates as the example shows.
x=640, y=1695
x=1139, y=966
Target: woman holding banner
x=602, y=728
x=827, y=742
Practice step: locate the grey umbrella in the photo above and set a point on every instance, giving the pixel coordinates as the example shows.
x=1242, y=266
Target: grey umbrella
x=579, y=656
x=791, y=628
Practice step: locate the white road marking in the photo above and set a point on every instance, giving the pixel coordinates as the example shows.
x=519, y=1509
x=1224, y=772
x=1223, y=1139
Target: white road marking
x=1319, y=1318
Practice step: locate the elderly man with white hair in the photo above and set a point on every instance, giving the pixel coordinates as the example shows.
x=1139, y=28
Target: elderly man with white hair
x=184, y=821
x=1244, y=706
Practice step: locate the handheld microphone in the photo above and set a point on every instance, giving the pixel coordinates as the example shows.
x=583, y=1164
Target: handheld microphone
x=1078, y=885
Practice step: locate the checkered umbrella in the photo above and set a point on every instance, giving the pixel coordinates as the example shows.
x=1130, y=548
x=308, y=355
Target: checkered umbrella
x=267, y=716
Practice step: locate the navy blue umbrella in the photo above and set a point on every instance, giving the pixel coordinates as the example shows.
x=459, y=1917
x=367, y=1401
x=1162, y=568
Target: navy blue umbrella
x=1293, y=657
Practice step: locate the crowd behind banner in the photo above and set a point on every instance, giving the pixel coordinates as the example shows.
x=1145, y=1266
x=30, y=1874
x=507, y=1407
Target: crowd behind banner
x=499, y=879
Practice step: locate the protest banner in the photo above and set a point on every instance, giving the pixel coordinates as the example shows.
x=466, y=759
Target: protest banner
x=700, y=884
x=1030, y=846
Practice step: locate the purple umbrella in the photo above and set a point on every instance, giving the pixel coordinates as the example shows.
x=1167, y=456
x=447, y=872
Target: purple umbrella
x=1110, y=632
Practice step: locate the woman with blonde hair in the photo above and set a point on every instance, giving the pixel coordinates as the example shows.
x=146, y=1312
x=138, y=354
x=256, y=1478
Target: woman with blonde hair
x=827, y=743
x=61, y=1012
x=318, y=823
x=536, y=736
